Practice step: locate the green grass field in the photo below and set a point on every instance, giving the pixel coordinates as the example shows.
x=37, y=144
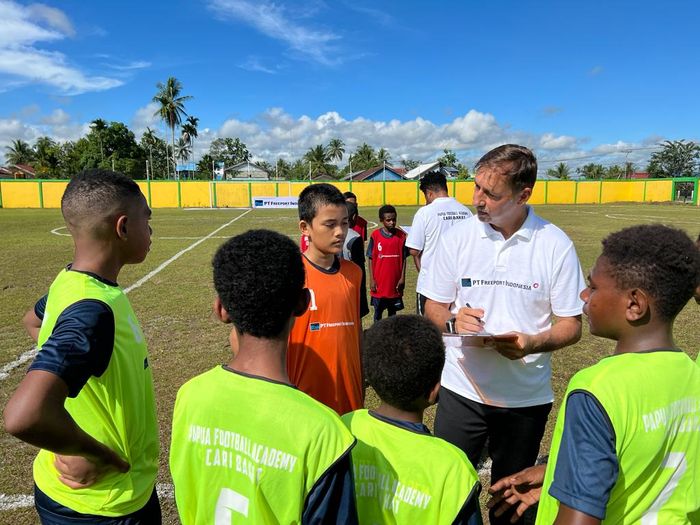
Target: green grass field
x=174, y=304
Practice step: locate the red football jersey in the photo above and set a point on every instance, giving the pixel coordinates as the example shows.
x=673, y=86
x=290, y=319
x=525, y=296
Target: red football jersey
x=361, y=227
x=387, y=254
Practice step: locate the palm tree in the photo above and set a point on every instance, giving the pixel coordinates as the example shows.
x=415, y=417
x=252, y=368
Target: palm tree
x=189, y=132
x=20, y=152
x=317, y=159
x=560, y=171
x=364, y=157
x=150, y=138
x=335, y=149
x=182, y=149
x=99, y=126
x=383, y=156
x=172, y=106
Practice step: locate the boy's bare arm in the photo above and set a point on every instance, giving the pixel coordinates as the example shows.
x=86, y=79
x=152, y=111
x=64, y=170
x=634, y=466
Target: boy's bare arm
x=36, y=414
x=370, y=273
x=416, y=254
x=569, y=516
x=32, y=324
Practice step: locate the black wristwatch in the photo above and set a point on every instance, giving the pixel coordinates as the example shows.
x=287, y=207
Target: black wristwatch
x=450, y=325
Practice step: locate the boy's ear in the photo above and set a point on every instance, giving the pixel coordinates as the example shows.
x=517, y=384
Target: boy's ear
x=220, y=312
x=120, y=227
x=302, y=303
x=433, y=395
x=638, y=305
x=304, y=227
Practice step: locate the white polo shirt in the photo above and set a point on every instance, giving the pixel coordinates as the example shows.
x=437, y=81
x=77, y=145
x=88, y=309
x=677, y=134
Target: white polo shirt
x=520, y=283
x=429, y=223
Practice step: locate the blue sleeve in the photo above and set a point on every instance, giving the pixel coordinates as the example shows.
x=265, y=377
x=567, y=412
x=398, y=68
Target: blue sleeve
x=80, y=345
x=40, y=307
x=332, y=498
x=370, y=247
x=470, y=513
x=587, y=465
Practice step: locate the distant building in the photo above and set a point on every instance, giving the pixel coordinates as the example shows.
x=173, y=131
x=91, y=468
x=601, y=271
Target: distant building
x=246, y=171
x=377, y=173
x=419, y=171
x=17, y=171
x=639, y=175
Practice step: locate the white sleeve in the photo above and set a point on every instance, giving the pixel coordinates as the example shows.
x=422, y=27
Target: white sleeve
x=567, y=284
x=416, y=235
x=441, y=279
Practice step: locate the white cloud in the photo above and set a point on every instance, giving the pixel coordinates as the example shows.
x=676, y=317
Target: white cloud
x=273, y=21
x=57, y=118
x=253, y=63
x=550, y=141
x=21, y=62
x=145, y=118
x=595, y=71
x=130, y=66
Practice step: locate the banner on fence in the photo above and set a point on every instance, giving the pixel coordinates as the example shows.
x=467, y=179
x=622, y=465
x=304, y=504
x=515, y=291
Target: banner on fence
x=275, y=202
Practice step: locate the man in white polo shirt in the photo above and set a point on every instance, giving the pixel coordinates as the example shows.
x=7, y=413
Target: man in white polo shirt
x=440, y=213
x=505, y=271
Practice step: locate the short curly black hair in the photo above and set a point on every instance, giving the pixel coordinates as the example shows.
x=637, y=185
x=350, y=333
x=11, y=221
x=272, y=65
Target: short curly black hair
x=403, y=357
x=97, y=194
x=259, y=277
x=316, y=195
x=387, y=208
x=662, y=261
x=433, y=181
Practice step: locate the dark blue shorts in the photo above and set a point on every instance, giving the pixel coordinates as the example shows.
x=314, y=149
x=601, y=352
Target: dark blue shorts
x=53, y=513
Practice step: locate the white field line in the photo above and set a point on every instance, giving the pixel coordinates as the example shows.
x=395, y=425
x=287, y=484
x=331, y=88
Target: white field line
x=179, y=254
x=20, y=501
x=29, y=354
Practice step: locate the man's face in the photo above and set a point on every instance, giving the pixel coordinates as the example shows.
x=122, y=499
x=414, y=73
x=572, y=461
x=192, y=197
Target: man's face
x=495, y=201
x=328, y=228
x=604, y=303
x=388, y=220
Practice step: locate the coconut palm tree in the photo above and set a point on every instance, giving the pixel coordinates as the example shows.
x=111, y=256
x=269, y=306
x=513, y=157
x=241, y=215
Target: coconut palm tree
x=560, y=171
x=20, y=152
x=99, y=126
x=171, y=106
x=150, y=138
x=335, y=149
x=182, y=149
x=317, y=158
x=383, y=156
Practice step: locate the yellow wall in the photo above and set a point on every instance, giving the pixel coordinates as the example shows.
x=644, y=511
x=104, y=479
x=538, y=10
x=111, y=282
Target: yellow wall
x=614, y=191
x=588, y=192
x=659, y=191
x=401, y=193
x=195, y=194
x=164, y=194
x=20, y=194
x=561, y=192
x=232, y=195
x=369, y=193
x=465, y=192
x=53, y=191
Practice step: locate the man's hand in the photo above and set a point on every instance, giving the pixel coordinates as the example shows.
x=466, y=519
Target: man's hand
x=469, y=320
x=78, y=472
x=521, y=490
x=512, y=349
x=373, y=286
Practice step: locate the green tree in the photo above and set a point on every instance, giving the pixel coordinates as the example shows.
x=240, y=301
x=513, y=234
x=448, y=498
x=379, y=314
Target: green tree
x=591, y=171
x=335, y=149
x=678, y=158
x=383, y=156
x=283, y=169
x=317, y=160
x=229, y=151
x=157, y=150
x=560, y=171
x=171, y=108
x=47, y=153
x=462, y=171
x=449, y=158
x=19, y=152
x=409, y=164
x=99, y=126
x=364, y=158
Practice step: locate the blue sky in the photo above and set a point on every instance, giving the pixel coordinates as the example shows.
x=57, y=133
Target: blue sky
x=594, y=81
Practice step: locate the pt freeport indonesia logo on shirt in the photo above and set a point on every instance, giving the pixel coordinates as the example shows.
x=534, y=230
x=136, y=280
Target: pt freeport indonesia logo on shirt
x=468, y=282
x=316, y=327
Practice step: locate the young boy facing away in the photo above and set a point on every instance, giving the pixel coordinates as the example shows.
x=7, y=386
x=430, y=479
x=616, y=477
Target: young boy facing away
x=324, y=345
x=360, y=225
x=247, y=446
x=626, y=445
x=403, y=474
x=354, y=250
x=87, y=401
x=387, y=264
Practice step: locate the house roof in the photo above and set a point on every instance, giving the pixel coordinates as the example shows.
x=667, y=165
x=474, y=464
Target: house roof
x=24, y=168
x=246, y=164
x=422, y=169
x=363, y=175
